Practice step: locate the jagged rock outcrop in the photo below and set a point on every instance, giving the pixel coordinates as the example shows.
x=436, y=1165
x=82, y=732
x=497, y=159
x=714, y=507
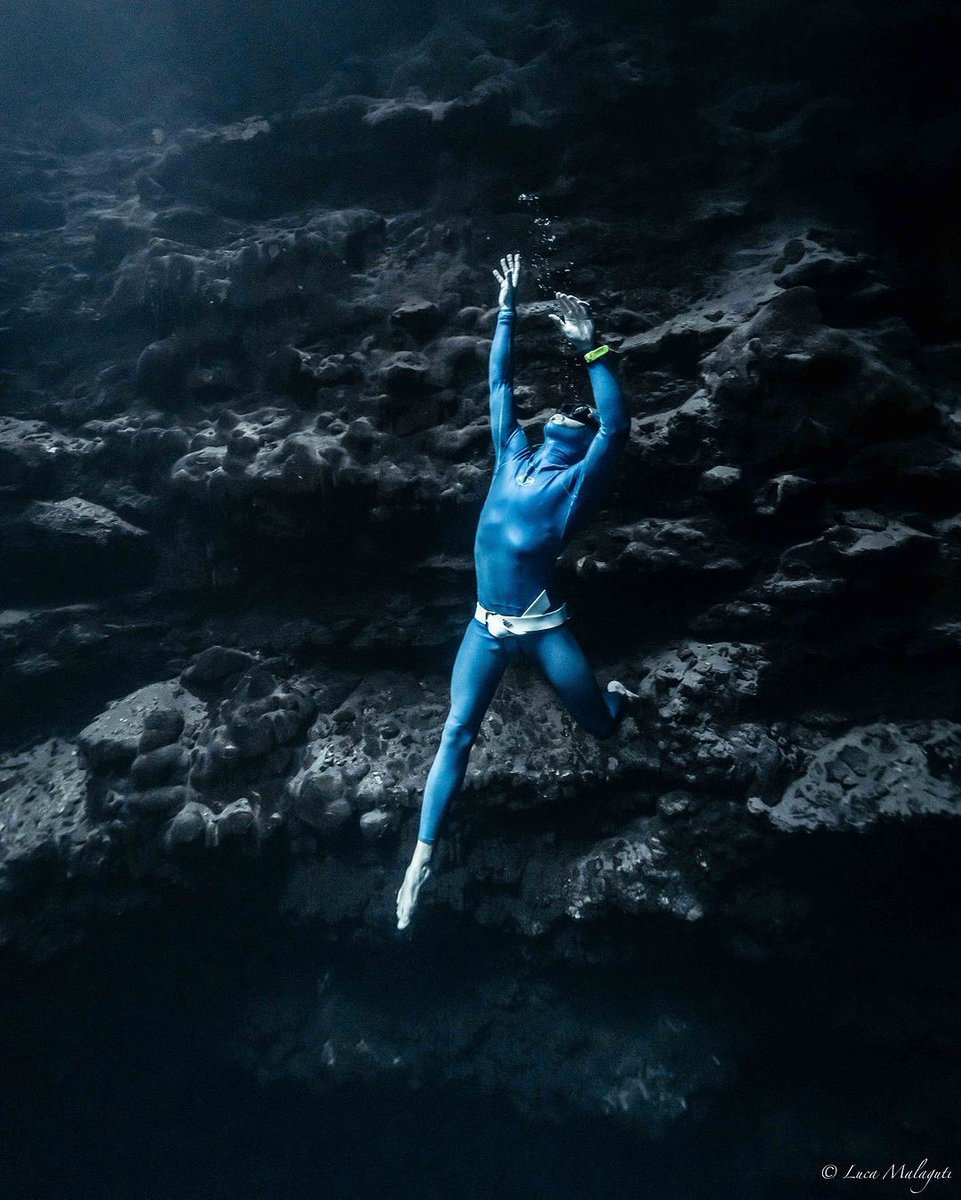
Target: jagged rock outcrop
x=875, y=773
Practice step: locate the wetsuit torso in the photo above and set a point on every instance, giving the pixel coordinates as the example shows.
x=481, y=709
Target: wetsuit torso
x=538, y=494
x=521, y=530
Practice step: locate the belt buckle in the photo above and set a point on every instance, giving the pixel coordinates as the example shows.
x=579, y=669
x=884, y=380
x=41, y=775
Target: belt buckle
x=502, y=627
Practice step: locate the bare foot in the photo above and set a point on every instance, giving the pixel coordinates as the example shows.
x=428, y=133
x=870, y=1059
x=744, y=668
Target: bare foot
x=616, y=686
x=417, y=872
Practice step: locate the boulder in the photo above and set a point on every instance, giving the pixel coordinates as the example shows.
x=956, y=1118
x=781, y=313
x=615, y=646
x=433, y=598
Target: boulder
x=114, y=737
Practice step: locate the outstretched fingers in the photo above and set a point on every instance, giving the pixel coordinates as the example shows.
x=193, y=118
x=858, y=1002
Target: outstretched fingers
x=572, y=306
x=509, y=274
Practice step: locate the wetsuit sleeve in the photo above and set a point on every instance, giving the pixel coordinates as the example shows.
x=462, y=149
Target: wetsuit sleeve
x=504, y=426
x=594, y=473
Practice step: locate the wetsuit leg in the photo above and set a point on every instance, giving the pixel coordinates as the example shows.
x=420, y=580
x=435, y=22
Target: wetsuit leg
x=478, y=668
x=566, y=668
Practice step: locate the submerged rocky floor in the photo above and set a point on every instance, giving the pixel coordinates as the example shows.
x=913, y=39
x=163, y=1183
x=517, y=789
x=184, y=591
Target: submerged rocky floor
x=243, y=445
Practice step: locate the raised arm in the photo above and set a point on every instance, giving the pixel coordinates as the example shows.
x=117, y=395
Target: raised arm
x=609, y=442
x=594, y=473
x=500, y=374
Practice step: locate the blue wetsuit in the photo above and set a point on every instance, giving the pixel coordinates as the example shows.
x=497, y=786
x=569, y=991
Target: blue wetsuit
x=537, y=496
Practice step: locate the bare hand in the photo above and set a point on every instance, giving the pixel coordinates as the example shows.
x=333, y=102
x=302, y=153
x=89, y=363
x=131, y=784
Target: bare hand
x=508, y=278
x=574, y=321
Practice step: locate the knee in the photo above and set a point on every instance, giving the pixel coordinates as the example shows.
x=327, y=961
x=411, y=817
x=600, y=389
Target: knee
x=458, y=736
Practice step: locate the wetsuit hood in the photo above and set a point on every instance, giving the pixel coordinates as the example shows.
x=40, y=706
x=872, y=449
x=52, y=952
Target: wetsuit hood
x=565, y=445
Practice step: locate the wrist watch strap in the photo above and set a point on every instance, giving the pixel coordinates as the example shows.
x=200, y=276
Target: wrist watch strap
x=596, y=353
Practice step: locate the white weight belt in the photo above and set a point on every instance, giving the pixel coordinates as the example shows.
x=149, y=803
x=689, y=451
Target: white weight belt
x=501, y=626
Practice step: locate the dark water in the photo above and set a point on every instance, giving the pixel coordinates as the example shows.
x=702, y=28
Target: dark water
x=112, y=1086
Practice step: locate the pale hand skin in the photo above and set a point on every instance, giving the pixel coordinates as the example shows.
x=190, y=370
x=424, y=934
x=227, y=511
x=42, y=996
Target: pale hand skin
x=575, y=321
x=577, y=325
x=508, y=277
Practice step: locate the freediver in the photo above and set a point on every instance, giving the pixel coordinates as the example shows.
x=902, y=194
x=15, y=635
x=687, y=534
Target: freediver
x=538, y=495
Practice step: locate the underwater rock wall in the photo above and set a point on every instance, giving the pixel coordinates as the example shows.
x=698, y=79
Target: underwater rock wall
x=244, y=442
